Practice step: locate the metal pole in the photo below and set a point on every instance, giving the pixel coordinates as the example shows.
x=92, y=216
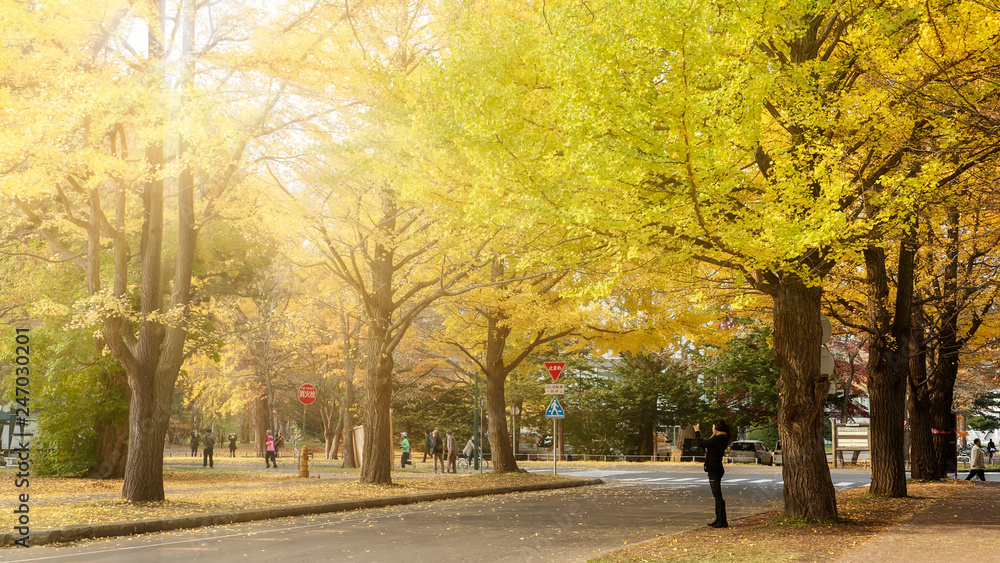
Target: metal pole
x=475, y=428
x=480, y=439
x=554, y=472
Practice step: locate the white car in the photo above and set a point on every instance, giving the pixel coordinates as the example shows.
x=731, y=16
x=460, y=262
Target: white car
x=750, y=451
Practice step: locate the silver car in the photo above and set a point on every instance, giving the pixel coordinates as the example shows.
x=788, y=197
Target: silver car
x=750, y=451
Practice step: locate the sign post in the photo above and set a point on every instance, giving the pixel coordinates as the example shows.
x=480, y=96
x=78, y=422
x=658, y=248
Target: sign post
x=555, y=410
x=556, y=413
x=307, y=394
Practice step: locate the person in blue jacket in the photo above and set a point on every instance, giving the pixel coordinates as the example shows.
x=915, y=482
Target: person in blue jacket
x=715, y=447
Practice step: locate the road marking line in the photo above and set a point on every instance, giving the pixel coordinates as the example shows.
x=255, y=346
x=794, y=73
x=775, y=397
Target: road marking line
x=763, y=481
x=690, y=479
x=843, y=484
x=734, y=480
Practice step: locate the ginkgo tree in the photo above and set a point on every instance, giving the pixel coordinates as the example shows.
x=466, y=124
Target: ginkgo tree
x=762, y=139
x=499, y=327
x=121, y=140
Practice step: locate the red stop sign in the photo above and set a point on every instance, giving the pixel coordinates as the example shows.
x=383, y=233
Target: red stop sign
x=307, y=393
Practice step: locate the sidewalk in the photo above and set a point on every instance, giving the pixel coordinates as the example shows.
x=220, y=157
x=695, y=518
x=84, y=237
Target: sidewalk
x=956, y=527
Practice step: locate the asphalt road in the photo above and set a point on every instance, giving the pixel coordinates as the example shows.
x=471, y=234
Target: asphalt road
x=563, y=525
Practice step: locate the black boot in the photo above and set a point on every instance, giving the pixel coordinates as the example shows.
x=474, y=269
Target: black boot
x=720, y=515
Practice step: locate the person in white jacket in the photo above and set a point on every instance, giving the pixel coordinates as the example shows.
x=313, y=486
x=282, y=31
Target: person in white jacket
x=976, y=465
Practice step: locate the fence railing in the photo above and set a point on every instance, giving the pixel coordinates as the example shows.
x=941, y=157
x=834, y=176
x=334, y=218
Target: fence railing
x=602, y=457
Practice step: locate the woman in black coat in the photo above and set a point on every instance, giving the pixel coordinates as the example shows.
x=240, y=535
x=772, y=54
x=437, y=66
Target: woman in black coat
x=715, y=447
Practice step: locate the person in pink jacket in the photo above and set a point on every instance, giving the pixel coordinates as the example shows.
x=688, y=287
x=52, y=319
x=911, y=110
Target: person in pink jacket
x=269, y=455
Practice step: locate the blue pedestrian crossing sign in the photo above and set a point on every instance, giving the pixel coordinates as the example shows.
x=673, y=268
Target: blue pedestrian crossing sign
x=555, y=410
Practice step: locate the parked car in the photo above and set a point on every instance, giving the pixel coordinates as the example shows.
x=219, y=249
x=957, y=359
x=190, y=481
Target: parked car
x=750, y=451
x=777, y=457
x=691, y=452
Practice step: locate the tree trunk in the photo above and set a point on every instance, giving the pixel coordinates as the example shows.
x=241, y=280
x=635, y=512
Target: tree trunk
x=923, y=465
x=330, y=417
x=496, y=373
x=111, y=440
x=647, y=429
x=261, y=423
x=889, y=367
x=111, y=447
x=376, y=463
x=802, y=391
x=347, y=422
x=886, y=431
x=944, y=432
x=945, y=373
x=333, y=446
x=501, y=452
x=148, y=421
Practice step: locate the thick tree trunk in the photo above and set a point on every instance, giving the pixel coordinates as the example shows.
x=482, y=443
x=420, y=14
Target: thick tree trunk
x=945, y=373
x=496, y=372
x=148, y=420
x=376, y=462
x=809, y=491
x=889, y=367
x=923, y=466
x=944, y=432
x=500, y=447
x=887, y=392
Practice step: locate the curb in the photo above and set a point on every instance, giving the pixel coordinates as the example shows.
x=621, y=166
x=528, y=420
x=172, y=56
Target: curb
x=94, y=531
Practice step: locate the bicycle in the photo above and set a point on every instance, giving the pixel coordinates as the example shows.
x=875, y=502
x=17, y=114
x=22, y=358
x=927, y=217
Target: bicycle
x=465, y=462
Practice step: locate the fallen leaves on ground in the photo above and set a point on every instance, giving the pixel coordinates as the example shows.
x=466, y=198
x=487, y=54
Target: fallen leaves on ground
x=769, y=537
x=56, y=502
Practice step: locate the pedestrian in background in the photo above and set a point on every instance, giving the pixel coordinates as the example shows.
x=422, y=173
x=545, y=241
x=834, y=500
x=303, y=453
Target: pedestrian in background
x=715, y=447
x=437, y=448
x=269, y=455
x=976, y=466
x=405, y=447
x=279, y=443
x=194, y=443
x=452, y=454
x=232, y=445
x=991, y=449
x=208, y=451
x=428, y=445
